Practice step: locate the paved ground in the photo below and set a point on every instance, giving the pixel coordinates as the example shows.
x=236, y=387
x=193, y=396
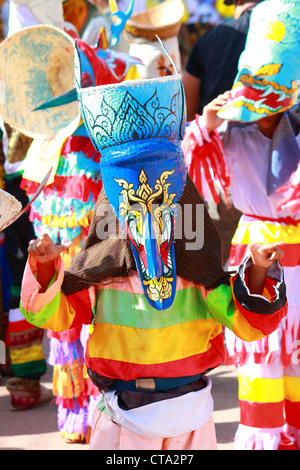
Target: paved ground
x=36, y=429
x=226, y=410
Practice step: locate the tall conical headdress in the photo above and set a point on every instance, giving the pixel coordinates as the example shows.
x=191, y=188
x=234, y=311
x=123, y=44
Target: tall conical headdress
x=137, y=126
x=269, y=67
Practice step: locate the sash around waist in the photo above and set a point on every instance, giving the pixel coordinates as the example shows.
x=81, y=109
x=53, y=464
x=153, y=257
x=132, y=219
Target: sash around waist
x=152, y=384
x=280, y=220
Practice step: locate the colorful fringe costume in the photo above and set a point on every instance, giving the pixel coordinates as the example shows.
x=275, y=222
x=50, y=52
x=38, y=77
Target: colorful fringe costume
x=64, y=210
x=165, y=346
x=269, y=370
x=25, y=343
x=264, y=177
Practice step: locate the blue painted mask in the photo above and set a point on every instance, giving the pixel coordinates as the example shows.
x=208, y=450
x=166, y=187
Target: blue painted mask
x=269, y=67
x=137, y=126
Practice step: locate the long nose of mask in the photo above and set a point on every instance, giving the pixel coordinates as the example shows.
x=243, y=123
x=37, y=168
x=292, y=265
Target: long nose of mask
x=152, y=256
x=137, y=126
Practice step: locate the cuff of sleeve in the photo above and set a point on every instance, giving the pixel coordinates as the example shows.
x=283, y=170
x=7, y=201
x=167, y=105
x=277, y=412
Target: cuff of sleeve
x=31, y=298
x=274, y=285
x=262, y=313
x=199, y=129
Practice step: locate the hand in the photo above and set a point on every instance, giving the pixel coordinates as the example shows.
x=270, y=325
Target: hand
x=264, y=255
x=211, y=119
x=44, y=249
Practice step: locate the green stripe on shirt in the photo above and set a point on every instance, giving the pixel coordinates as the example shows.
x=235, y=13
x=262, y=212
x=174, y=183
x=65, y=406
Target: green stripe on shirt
x=128, y=309
x=43, y=316
x=221, y=305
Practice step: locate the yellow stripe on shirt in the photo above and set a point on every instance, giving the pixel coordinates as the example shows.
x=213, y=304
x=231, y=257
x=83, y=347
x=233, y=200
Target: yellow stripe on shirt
x=152, y=346
x=260, y=390
x=32, y=353
x=292, y=388
x=259, y=231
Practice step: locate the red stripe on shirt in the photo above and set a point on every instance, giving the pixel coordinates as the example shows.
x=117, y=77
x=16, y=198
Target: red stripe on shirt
x=291, y=254
x=264, y=323
x=81, y=303
x=261, y=415
x=292, y=411
x=192, y=365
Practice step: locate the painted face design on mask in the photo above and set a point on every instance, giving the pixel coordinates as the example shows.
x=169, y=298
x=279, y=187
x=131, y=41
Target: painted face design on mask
x=268, y=69
x=138, y=126
x=149, y=220
x=143, y=185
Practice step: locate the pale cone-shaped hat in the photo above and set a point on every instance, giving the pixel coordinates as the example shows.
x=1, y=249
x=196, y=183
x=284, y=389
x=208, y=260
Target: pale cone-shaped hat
x=9, y=208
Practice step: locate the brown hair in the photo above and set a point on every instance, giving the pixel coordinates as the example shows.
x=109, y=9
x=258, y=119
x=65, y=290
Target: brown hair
x=100, y=261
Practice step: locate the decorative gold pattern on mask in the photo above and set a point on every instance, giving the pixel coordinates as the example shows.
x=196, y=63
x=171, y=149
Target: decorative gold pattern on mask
x=157, y=289
x=247, y=79
x=144, y=193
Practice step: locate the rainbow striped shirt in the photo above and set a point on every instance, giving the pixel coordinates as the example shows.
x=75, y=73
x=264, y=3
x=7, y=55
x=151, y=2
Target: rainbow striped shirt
x=130, y=339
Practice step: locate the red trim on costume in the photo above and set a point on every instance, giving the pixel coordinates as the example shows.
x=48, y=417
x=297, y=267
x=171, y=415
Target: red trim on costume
x=291, y=254
x=292, y=411
x=261, y=415
x=81, y=303
x=192, y=365
x=96, y=63
x=264, y=323
x=286, y=442
x=80, y=144
x=206, y=161
x=20, y=326
x=69, y=335
x=75, y=187
x=280, y=220
x=24, y=338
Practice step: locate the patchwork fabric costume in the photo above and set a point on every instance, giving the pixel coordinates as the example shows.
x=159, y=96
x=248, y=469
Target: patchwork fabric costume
x=264, y=181
x=25, y=342
x=64, y=211
x=157, y=296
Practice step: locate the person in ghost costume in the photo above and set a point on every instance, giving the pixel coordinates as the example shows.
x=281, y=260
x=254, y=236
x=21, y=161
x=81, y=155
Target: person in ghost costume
x=153, y=288
x=253, y=131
